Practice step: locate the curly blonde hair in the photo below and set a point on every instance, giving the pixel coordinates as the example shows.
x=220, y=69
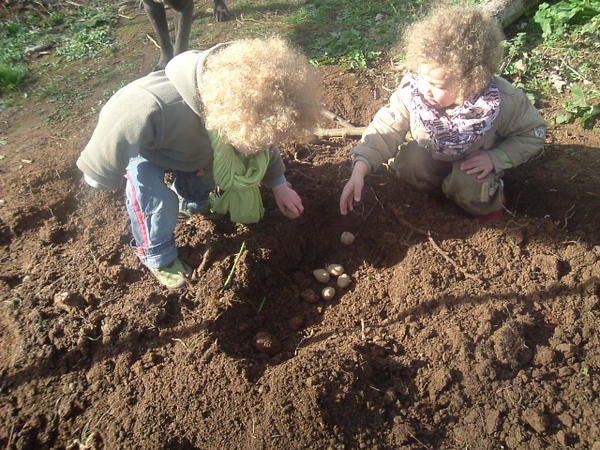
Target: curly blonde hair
x=260, y=92
x=466, y=42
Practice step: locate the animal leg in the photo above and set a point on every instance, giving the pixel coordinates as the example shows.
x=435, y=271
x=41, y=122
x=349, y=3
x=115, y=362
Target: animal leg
x=158, y=19
x=221, y=12
x=185, y=16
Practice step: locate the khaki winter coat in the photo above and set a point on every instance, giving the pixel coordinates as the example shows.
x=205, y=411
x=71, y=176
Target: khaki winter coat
x=518, y=133
x=160, y=117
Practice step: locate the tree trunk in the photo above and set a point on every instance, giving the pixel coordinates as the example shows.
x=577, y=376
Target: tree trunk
x=508, y=11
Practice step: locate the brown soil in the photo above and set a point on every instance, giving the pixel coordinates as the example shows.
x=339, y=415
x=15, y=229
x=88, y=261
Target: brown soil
x=475, y=337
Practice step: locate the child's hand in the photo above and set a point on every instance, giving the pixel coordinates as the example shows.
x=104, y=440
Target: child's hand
x=288, y=201
x=478, y=163
x=353, y=189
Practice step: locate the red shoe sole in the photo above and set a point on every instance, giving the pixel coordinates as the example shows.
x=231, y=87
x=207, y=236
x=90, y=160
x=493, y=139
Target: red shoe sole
x=491, y=217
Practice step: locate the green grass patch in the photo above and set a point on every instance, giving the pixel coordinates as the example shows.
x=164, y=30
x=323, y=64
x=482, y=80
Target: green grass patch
x=11, y=76
x=74, y=32
x=352, y=33
x=568, y=16
x=584, y=104
x=90, y=34
x=557, y=53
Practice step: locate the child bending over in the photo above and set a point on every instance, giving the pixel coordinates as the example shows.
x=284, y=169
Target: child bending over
x=467, y=125
x=211, y=119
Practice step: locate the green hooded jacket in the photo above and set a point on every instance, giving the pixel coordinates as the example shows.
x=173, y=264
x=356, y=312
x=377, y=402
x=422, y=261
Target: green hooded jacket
x=159, y=116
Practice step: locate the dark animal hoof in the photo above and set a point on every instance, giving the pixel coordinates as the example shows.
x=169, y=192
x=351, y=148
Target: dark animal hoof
x=222, y=14
x=161, y=64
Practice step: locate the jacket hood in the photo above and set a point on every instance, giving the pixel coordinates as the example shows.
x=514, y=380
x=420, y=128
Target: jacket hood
x=183, y=71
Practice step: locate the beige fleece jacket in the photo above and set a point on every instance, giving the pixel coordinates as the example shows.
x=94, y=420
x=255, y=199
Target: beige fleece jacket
x=518, y=133
x=160, y=117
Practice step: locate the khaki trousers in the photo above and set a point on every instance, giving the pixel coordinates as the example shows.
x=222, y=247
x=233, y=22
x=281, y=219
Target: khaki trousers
x=416, y=166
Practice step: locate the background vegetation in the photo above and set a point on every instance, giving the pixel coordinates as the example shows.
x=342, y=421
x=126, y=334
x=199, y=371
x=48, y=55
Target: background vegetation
x=553, y=51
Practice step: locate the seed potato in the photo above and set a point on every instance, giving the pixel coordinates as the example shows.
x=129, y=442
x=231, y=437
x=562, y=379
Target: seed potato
x=321, y=275
x=328, y=293
x=335, y=269
x=347, y=238
x=344, y=280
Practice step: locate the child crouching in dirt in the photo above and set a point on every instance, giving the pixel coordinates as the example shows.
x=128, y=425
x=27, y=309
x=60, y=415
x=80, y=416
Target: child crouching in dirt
x=467, y=126
x=210, y=118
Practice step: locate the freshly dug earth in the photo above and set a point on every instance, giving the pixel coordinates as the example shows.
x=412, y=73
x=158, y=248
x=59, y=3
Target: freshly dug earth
x=451, y=335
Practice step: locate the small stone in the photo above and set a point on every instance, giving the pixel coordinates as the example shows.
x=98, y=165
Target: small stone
x=566, y=349
x=492, y=420
x=68, y=301
x=562, y=438
x=565, y=372
x=309, y=296
x=49, y=232
x=115, y=272
x=265, y=342
x=566, y=419
x=439, y=381
x=66, y=408
x=536, y=420
x=544, y=356
x=347, y=238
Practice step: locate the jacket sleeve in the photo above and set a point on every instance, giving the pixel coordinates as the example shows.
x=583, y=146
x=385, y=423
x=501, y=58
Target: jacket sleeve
x=384, y=134
x=130, y=120
x=522, y=131
x=274, y=175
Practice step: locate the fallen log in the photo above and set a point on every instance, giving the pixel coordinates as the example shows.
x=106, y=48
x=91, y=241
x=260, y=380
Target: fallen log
x=507, y=12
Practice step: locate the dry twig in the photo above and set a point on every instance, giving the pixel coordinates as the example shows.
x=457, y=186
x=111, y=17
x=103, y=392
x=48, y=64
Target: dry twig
x=339, y=132
x=333, y=116
x=204, y=261
x=569, y=213
x=417, y=439
x=182, y=343
x=451, y=261
x=235, y=264
x=406, y=223
x=153, y=41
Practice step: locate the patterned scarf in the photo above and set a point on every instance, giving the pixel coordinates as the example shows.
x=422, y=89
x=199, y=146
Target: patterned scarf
x=239, y=177
x=454, y=130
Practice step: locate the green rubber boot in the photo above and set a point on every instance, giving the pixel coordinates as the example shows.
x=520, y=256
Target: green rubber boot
x=172, y=276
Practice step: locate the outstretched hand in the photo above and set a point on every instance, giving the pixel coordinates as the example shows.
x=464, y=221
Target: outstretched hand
x=478, y=163
x=352, y=191
x=288, y=201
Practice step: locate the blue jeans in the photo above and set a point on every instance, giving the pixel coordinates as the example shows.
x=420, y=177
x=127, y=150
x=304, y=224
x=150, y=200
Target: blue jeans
x=154, y=208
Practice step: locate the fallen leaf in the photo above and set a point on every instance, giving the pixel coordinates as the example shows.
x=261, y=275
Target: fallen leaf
x=557, y=82
x=563, y=117
x=520, y=66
